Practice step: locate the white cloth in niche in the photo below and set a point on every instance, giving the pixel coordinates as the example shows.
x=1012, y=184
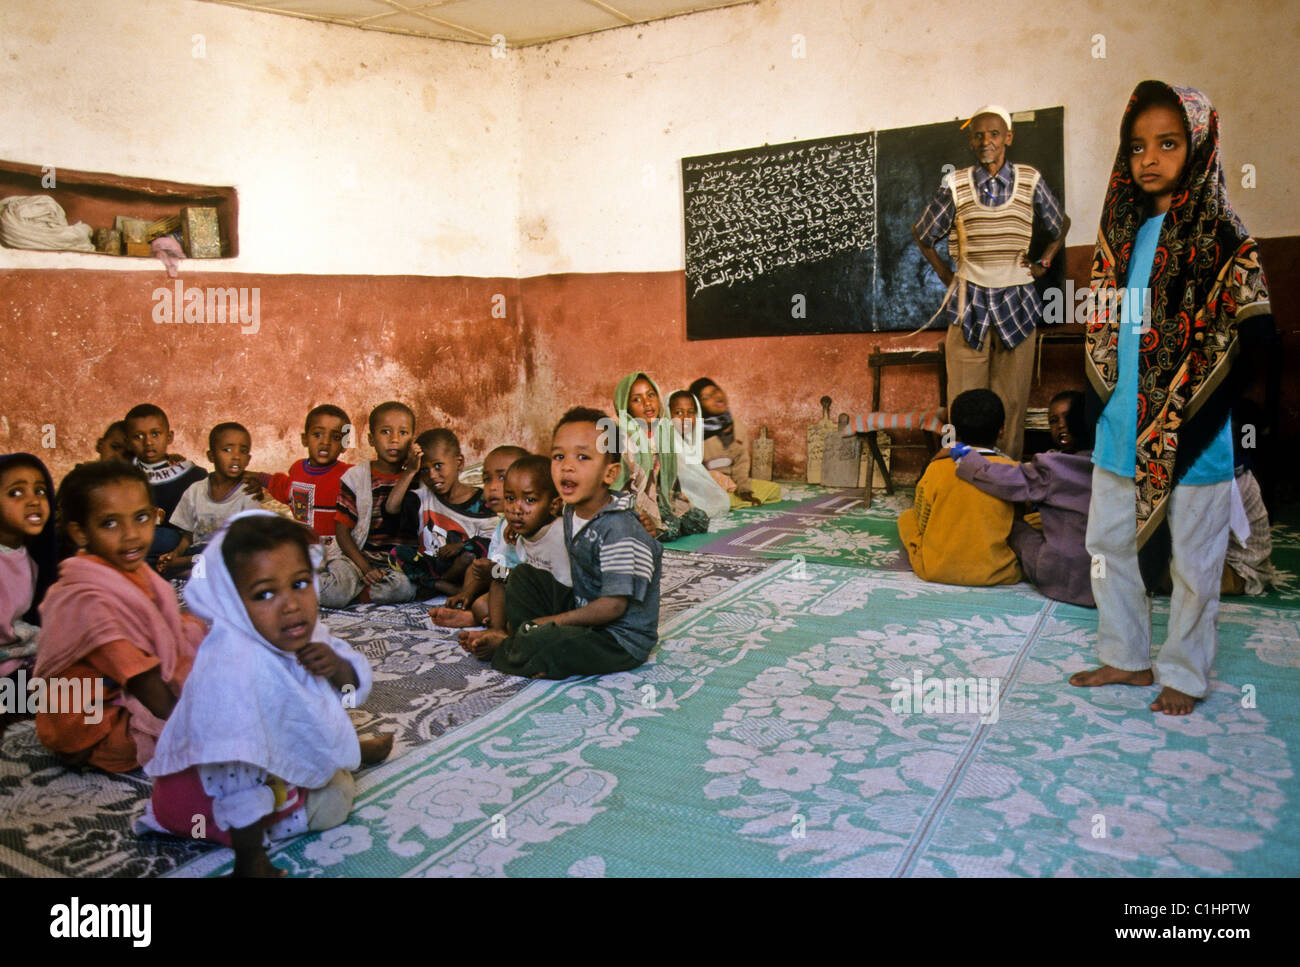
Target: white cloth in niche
x=39, y=222
x=247, y=701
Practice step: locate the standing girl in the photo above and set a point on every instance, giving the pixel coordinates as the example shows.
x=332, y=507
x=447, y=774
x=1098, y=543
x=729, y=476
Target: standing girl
x=1166, y=369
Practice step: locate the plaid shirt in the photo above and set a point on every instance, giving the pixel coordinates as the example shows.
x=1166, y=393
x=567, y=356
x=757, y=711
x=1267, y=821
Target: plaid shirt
x=1014, y=311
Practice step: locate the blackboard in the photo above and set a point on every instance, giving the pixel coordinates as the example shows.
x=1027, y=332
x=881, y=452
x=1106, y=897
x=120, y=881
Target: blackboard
x=814, y=237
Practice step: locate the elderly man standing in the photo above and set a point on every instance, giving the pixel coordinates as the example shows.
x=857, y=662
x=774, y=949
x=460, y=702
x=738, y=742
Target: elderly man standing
x=988, y=212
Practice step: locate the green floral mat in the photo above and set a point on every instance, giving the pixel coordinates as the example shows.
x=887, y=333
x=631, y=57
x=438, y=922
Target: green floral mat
x=768, y=737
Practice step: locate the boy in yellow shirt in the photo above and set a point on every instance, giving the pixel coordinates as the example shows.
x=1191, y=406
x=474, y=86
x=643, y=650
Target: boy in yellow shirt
x=954, y=533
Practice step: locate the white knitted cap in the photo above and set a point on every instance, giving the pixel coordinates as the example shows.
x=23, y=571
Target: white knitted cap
x=997, y=109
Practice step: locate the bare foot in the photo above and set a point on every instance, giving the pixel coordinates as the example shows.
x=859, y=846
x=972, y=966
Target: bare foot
x=1106, y=675
x=486, y=644
x=1173, y=702
x=376, y=748
x=468, y=639
x=453, y=617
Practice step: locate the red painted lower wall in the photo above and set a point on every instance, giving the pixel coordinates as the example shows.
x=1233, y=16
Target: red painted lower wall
x=497, y=360
x=81, y=347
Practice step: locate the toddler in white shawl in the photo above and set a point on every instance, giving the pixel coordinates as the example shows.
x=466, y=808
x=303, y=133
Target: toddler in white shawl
x=260, y=745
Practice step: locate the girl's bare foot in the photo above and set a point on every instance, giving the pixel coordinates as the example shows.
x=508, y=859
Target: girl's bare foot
x=376, y=748
x=1173, y=702
x=1106, y=675
x=453, y=617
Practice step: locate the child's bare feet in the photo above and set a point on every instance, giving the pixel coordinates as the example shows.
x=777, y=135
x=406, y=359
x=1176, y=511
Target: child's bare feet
x=488, y=643
x=481, y=644
x=453, y=617
x=375, y=748
x=1173, y=702
x=1106, y=675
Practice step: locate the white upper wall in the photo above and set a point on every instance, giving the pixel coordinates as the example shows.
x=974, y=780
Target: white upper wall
x=607, y=117
x=357, y=152
x=354, y=152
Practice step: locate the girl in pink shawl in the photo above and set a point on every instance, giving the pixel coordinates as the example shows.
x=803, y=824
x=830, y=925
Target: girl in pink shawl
x=110, y=617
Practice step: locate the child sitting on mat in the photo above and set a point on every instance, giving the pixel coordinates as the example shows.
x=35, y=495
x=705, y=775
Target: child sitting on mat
x=207, y=504
x=684, y=409
x=469, y=606
x=609, y=620
x=28, y=558
x=1059, y=485
x=454, y=523
x=260, y=745
x=537, y=537
x=111, y=618
x=368, y=533
x=674, y=497
x=726, y=446
x=149, y=434
x=954, y=533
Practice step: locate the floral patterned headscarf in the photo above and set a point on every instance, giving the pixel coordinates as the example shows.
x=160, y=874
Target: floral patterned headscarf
x=1206, y=280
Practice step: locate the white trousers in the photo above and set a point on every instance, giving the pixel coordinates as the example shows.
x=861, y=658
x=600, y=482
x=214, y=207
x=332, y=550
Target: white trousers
x=1198, y=523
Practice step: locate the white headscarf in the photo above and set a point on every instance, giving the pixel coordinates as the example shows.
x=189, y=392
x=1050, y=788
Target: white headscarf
x=697, y=483
x=248, y=701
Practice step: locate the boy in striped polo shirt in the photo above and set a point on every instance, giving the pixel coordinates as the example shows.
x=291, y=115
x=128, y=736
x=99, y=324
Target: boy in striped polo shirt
x=609, y=620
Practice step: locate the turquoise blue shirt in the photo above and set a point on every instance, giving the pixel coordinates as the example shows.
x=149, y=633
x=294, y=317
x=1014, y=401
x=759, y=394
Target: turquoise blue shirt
x=1116, y=448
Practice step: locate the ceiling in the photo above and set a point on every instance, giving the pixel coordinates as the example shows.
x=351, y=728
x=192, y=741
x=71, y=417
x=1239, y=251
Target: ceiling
x=522, y=23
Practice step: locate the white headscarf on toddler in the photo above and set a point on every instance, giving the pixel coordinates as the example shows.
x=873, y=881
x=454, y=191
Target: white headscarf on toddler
x=248, y=701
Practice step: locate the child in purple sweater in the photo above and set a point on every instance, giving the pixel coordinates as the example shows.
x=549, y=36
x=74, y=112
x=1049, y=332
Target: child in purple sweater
x=1059, y=485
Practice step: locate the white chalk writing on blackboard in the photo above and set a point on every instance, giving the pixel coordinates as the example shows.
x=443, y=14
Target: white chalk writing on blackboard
x=746, y=216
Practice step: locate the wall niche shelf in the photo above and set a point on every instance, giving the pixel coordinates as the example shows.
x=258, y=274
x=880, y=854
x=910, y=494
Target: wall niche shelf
x=96, y=198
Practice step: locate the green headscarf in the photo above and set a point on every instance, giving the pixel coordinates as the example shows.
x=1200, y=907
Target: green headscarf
x=637, y=439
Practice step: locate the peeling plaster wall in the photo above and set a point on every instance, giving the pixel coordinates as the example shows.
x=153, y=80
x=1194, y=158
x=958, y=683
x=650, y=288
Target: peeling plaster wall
x=78, y=357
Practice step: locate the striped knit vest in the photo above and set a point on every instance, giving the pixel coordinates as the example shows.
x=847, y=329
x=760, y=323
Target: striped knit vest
x=986, y=243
